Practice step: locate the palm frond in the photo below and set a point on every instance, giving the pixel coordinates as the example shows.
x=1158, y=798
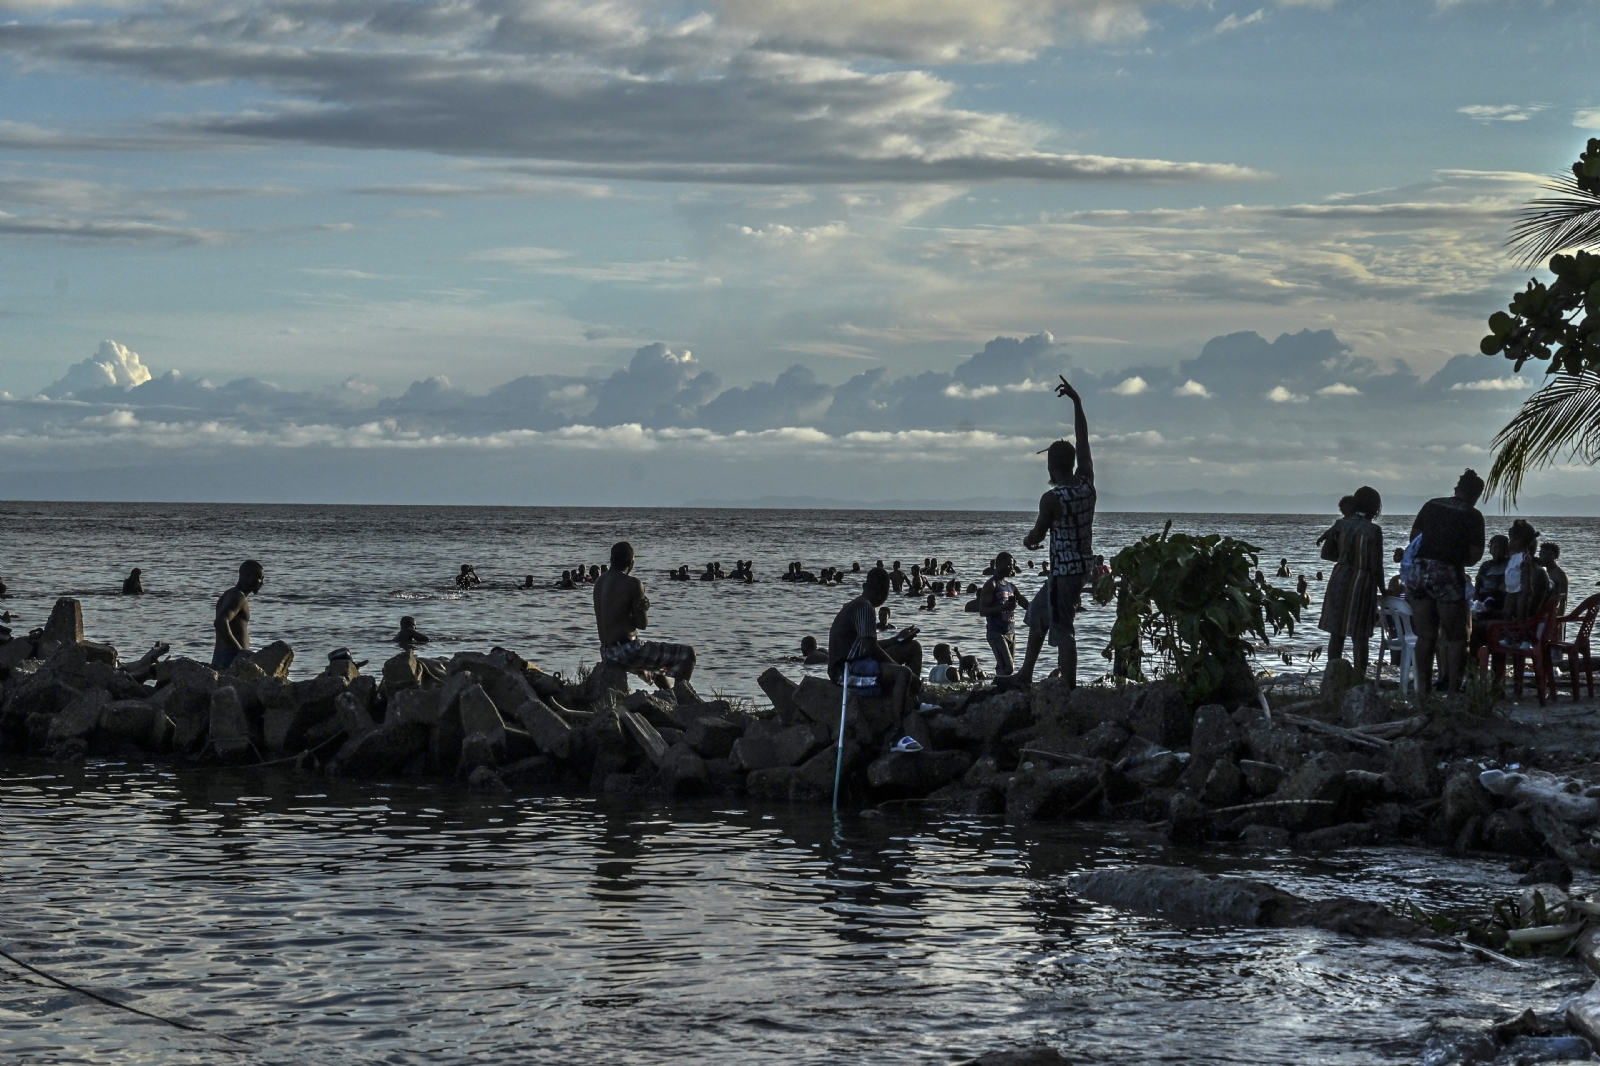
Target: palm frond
x=1553, y=224
x=1561, y=420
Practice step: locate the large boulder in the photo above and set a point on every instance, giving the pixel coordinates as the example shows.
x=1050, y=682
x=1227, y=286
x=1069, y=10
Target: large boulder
x=65, y=624
x=479, y=715
x=712, y=738
x=1156, y=712
x=274, y=659
x=683, y=771
x=1214, y=736
x=73, y=728
x=780, y=690
x=908, y=774
x=138, y=722
x=985, y=723
x=229, y=729
x=1059, y=793
x=551, y=733
x=606, y=685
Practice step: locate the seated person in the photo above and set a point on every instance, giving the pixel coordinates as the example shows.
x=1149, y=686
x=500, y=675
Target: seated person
x=132, y=585
x=944, y=670
x=1397, y=586
x=810, y=654
x=1489, y=589
x=1549, y=552
x=621, y=609
x=1527, y=584
x=856, y=659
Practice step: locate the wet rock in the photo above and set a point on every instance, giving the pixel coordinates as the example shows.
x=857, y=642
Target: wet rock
x=909, y=774
x=549, y=730
x=1363, y=706
x=278, y=706
x=14, y=652
x=71, y=729
x=1510, y=832
x=401, y=672
x=1273, y=744
x=1261, y=778
x=984, y=723
x=137, y=722
x=1043, y=794
x=1156, y=771
x=1337, y=837
x=1552, y=871
x=229, y=729
x=770, y=783
x=1224, y=785
x=1583, y=1015
x=1463, y=799
x=477, y=752
x=1265, y=836
x=1215, y=736
x=275, y=659
x=479, y=716
x=79, y=666
x=780, y=690
x=986, y=774
x=645, y=735
x=957, y=798
x=536, y=771
x=65, y=625
x=712, y=738
x=1187, y=819
x=657, y=708
x=683, y=771
x=621, y=785
x=1320, y=780
x=1041, y=1055
x=754, y=752
x=1411, y=770
x=484, y=781
x=1105, y=741
x=799, y=742
x=607, y=685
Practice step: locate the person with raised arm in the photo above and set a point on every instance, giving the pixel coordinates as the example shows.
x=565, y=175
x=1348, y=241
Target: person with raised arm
x=1066, y=516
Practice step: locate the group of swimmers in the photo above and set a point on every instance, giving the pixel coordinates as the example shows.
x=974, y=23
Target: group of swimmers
x=743, y=570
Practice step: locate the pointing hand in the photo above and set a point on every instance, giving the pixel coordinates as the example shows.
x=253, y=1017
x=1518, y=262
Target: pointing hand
x=1066, y=389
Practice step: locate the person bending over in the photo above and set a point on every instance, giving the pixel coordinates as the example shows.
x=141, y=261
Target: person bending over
x=621, y=609
x=1451, y=528
x=857, y=660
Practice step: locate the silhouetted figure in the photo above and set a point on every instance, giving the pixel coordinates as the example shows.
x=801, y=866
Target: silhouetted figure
x=527, y=581
x=2, y=589
x=468, y=578
x=1451, y=528
x=858, y=660
x=810, y=654
x=131, y=585
x=566, y=581
x=884, y=625
x=409, y=636
x=621, y=609
x=897, y=578
x=932, y=604
x=1283, y=568
x=233, y=615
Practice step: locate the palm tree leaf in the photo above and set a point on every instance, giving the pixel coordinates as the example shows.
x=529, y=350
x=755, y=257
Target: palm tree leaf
x=1561, y=420
x=1552, y=224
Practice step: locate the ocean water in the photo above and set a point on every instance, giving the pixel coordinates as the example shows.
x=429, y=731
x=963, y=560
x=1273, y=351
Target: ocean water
x=321, y=921
x=343, y=576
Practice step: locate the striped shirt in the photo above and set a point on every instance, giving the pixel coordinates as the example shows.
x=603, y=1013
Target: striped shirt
x=1072, y=532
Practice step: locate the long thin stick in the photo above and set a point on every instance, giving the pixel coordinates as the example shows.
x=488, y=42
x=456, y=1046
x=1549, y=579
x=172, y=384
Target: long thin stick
x=113, y=1003
x=838, y=761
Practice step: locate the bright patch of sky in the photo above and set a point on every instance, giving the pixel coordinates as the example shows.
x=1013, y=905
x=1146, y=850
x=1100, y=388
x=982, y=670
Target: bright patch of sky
x=351, y=202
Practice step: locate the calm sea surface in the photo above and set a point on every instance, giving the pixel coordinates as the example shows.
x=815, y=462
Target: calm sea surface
x=338, y=922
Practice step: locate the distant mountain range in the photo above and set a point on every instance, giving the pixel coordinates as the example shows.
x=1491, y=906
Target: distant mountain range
x=1187, y=501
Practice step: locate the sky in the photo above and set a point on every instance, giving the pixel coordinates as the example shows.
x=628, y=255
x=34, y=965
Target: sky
x=523, y=252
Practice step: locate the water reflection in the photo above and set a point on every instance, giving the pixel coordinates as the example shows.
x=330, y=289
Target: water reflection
x=326, y=921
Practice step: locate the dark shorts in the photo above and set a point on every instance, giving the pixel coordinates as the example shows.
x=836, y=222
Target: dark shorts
x=1438, y=581
x=223, y=658
x=669, y=659
x=864, y=677
x=1053, y=607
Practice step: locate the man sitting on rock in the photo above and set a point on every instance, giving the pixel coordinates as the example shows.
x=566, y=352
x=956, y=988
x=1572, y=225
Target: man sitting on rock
x=233, y=615
x=621, y=609
x=873, y=669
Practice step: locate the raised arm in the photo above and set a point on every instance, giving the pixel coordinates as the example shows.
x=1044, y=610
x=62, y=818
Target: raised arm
x=1080, y=429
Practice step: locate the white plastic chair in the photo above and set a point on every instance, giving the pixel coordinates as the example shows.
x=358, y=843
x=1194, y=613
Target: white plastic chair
x=1399, y=634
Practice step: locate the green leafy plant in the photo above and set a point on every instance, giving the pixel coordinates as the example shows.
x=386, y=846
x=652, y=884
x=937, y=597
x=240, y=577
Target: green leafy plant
x=1191, y=601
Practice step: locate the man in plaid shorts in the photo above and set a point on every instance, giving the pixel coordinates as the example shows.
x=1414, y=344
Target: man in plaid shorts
x=621, y=609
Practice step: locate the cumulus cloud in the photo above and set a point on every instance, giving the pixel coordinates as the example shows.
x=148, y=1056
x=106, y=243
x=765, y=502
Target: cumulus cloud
x=1279, y=394
x=1510, y=384
x=112, y=366
x=1338, y=388
x=1500, y=112
x=1587, y=119
x=1192, y=387
x=1132, y=386
x=614, y=90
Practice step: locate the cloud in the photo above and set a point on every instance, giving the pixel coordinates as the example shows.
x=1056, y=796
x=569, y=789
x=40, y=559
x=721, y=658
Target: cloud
x=1338, y=388
x=1500, y=112
x=1234, y=22
x=112, y=366
x=1511, y=384
x=1192, y=387
x=1587, y=119
x=1131, y=386
x=1279, y=394
x=613, y=91
x=659, y=387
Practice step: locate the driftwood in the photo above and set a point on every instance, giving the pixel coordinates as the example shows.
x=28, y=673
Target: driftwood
x=1347, y=735
x=1264, y=805
x=1405, y=727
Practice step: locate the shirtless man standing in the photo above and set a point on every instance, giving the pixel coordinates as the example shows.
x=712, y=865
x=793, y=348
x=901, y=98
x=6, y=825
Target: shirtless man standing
x=621, y=609
x=233, y=615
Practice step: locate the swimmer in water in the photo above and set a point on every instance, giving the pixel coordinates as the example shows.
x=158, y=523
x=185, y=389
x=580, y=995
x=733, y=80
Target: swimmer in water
x=527, y=581
x=409, y=637
x=131, y=585
x=566, y=581
x=810, y=654
x=932, y=604
x=1283, y=568
x=884, y=625
x=468, y=578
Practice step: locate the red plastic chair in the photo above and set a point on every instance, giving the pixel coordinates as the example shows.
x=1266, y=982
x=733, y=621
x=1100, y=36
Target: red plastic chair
x=1576, y=650
x=1529, y=639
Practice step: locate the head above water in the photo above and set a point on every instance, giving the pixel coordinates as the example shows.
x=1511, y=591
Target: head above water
x=622, y=555
x=1499, y=547
x=875, y=586
x=941, y=653
x=1367, y=501
x=808, y=645
x=883, y=614
x=1061, y=460
x=1469, y=486
x=252, y=575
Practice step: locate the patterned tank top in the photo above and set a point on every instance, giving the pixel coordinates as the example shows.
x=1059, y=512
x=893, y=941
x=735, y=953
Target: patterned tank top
x=1072, y=533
